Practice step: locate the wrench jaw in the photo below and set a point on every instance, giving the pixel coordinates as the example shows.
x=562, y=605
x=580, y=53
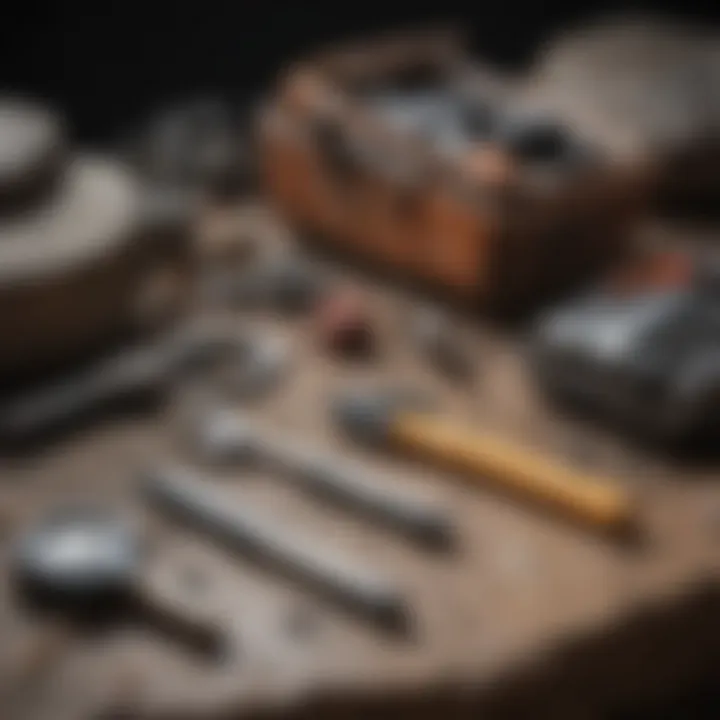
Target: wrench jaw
x=261, y=370
x=221, y=438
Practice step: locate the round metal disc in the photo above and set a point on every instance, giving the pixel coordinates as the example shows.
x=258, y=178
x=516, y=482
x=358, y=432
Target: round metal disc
x=77, y=557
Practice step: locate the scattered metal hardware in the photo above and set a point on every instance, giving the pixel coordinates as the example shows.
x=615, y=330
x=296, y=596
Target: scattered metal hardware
x=228, y=437
x=179, y=493
x=85, y=563
x=344, y=324
x=440, y=341
x=375, y=418
x=138, y=373
x=262, y=368
x=295, y=284
x=200, y=144
x=287, y=284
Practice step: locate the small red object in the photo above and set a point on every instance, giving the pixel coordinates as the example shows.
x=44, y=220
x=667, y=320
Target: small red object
x=344, y=323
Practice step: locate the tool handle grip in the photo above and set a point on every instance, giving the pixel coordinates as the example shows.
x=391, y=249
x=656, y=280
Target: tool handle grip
x=50, y=406
x=179, y=493
x=77, y=394
x=591, y=500
x=416, y=519
x=162, y=609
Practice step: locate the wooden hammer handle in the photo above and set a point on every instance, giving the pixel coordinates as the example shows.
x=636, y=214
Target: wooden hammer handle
x=590, y=500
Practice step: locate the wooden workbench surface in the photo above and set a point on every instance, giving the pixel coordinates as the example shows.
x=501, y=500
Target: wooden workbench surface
x=530, y=616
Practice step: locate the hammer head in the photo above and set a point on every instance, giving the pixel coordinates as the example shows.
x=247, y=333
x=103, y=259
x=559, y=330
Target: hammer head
x=368, y=415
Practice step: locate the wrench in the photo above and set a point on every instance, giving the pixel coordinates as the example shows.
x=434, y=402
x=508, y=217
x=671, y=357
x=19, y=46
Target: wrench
x=179, y=493
x=134, y=373
x=227, y=437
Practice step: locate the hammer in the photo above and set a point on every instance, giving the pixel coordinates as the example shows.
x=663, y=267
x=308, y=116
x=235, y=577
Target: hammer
x=226, y=436
x=381, y=419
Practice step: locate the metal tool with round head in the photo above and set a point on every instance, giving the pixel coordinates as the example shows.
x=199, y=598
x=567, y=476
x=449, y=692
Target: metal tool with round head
x=262, y=367
x=80, y=559
x=368, y=414
x=230, y=437
x=382, y=419
x=86, y=563
x=285, y=283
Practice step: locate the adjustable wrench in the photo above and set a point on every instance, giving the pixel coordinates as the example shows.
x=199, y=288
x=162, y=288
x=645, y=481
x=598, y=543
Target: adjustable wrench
x=180, y=494
x=227, y=437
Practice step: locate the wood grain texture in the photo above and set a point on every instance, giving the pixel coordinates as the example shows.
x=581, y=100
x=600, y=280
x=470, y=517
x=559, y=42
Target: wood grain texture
x=533, y=618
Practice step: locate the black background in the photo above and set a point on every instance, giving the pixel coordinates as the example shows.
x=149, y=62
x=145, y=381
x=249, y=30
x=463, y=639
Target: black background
x=109, y=63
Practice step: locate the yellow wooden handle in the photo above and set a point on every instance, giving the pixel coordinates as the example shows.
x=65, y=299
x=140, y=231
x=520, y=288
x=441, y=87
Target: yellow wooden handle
x=587, y=499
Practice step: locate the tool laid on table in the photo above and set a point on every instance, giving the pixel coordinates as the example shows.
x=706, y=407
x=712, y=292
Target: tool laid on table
x=139, y=372
x=383, y=419
x=179, y=493
x=438, y=339
x=226, y=436
x=286, y=283
x=86, y=564
x=261, y=365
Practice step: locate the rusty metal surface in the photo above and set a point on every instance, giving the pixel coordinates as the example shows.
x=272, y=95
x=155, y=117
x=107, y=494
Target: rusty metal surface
x=531, y=617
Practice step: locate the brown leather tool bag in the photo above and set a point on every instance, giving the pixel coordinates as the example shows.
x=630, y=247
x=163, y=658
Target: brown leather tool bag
x=476, y=218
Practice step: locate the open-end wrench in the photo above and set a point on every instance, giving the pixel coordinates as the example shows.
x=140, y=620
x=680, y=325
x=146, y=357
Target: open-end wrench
x=178, y=492
x=139, y=372
x=226, y=436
